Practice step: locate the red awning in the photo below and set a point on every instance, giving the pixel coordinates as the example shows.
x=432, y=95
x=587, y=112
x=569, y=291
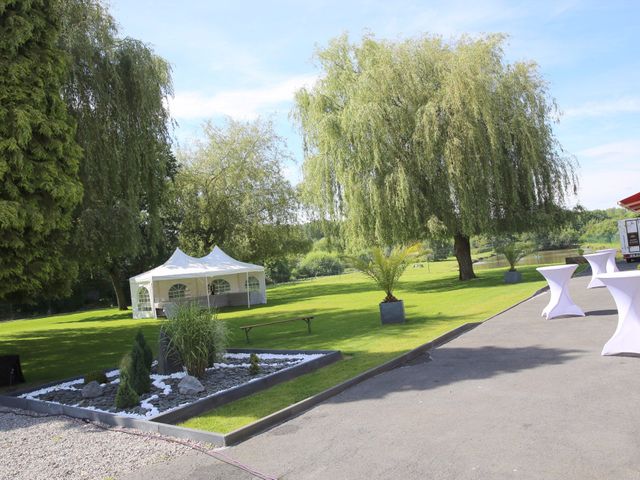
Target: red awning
x=632, y=202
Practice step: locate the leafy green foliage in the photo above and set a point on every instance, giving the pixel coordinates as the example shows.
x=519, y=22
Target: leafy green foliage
x=146, y=349
x=386, y=267
x=514, y=252
x=320, y=263
x=139, y=373
x=39, y=187
x=397, y=134
x=231, y=191
x=254, y=364
x=197, y=335
x=116, y=89
x=126, y=396
x=96, y=376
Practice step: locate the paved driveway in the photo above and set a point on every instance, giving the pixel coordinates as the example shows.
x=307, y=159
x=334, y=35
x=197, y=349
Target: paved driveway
x=519, y=397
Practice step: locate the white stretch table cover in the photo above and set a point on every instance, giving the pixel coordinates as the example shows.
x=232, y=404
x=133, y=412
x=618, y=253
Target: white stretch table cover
x=560, y=303
x=625, y=290
x=611, y=259
x=598, y=262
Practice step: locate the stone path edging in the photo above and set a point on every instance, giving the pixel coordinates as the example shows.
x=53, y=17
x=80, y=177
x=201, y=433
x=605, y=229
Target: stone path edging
x=258, y=426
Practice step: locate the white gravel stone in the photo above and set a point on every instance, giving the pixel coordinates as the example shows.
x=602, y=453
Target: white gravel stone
x=64, y=448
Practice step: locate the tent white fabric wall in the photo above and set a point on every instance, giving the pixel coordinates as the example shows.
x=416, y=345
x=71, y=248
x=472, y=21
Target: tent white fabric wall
x=150, y=290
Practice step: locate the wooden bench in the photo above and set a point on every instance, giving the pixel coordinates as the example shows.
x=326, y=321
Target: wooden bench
x=247, y=328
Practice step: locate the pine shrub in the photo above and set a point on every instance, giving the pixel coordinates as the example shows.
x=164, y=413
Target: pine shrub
x=146, y=349
x=254, y=367
x=140, y=379
x=126, y=397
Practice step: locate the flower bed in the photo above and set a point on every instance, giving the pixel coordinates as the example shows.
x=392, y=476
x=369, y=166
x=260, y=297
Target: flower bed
x=164, y=396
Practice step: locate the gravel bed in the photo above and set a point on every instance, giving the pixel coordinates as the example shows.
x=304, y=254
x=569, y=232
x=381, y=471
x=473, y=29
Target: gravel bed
x=35, y=447
x=164, y=395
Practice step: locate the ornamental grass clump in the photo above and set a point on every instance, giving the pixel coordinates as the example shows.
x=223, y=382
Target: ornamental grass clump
x=197, y=336
x=126, y=396
x=386, y=266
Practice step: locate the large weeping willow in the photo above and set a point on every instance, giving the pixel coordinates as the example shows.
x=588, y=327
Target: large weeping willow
x=402, y=139
x=116, y=89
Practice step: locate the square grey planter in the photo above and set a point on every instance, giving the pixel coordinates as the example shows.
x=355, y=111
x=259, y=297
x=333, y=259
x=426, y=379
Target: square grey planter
x=392, y=312
x=512, y=277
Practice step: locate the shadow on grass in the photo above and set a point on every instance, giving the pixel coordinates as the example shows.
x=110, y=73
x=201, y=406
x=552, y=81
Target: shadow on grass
x=123, y=315
x=48, y=355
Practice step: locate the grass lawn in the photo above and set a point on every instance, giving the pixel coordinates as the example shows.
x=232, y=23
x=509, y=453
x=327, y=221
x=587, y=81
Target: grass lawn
x=346, y=311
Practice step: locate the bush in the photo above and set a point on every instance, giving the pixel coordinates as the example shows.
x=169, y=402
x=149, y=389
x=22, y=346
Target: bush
x=126, y=396
x=146, y=349
x=139, y=373
x=318, y=264
x=197, y=336
x=96, y=376
x=254, y=367
x=278, y=271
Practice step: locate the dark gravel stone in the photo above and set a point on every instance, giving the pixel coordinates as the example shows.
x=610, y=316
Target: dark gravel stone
x=214, y=380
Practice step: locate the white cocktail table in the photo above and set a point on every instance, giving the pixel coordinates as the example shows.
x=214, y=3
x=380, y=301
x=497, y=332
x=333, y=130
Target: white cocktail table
x=598, y=262
x=558, y=277
x=611, y=259
x=625, y=290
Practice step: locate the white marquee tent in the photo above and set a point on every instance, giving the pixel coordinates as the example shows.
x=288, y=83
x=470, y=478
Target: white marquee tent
x=215, y=280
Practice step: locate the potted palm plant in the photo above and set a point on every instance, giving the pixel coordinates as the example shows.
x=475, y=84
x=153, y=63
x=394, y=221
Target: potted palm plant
x=385, y=267
x=513, y=252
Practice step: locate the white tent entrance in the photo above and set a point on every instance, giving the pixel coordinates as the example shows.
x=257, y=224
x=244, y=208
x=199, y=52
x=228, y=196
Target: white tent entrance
x=216, y=280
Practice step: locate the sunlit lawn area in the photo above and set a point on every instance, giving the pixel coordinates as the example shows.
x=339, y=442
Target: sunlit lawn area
x=346, y=318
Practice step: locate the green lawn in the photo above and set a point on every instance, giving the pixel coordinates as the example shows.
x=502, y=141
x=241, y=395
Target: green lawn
x=346, y=311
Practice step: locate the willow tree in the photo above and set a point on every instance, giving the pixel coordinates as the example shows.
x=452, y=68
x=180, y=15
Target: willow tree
x=405, y=140
x=117, y=90
x=39, y=157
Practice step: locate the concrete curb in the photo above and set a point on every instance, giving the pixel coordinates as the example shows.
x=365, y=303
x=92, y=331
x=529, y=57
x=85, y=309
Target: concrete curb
x=162, y=423
x=297, y=409
x=259, y=426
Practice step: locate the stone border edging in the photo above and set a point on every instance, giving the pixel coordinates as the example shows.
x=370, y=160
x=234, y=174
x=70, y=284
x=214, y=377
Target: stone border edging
x=156, y=424
x=261, y=425
x=208, y=403
x=265, y=423
x=296, y=409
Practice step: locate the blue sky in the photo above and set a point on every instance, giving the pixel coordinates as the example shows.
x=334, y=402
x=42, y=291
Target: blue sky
x=245, y=59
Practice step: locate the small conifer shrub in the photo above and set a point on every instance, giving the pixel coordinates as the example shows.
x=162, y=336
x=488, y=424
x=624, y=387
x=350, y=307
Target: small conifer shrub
x=126, y=396
x=254, y=364
x=139, y=373
x=148, y=354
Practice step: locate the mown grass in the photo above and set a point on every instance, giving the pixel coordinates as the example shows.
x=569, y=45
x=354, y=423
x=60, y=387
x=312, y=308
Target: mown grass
x=346, y=319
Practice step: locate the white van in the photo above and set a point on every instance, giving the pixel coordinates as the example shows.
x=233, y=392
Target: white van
x=629, y=241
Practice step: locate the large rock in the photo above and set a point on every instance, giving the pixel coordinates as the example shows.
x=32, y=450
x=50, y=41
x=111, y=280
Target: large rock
x=168, y=360
x=190, y=385
x=92, y=390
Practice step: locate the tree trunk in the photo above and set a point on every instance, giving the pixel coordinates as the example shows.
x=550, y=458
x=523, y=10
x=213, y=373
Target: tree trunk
x=117, y=287
x=462, y=248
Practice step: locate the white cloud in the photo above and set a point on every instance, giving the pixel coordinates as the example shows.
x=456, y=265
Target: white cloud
x=609, y=173
x=605, y=107
x=613, y=153
x=243, y=104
